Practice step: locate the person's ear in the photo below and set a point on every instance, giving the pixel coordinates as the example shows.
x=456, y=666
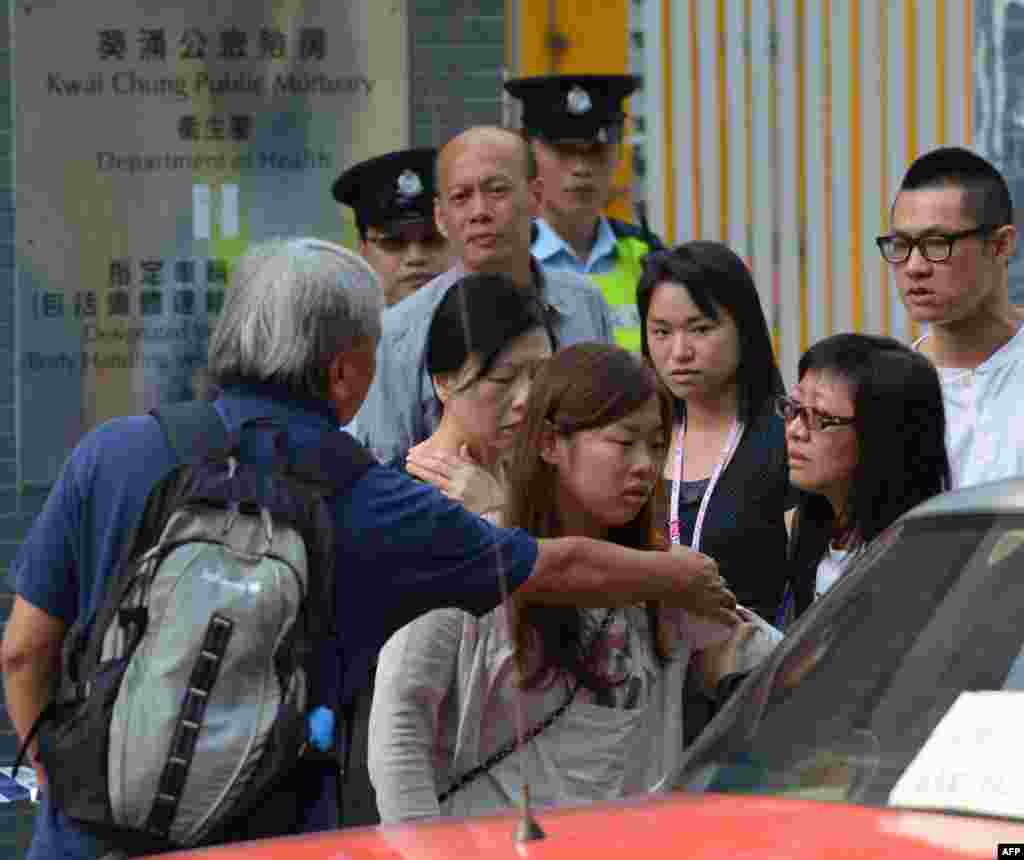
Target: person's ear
x=443, y=385
x=349, y=375
x=548, y=444
x=439, y=218
x=339, y=379
x=535, y=189
x=1006, y=241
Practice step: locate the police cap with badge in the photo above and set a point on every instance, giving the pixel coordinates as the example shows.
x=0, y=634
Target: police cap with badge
x=574, y=108
x=389, y=190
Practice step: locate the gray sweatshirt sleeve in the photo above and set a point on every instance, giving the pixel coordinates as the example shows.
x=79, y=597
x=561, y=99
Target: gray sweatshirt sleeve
x=415, y=673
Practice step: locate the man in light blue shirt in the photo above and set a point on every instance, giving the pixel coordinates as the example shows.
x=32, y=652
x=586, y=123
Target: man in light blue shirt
x=488, y=195
x=552, y=251
x=575, y=125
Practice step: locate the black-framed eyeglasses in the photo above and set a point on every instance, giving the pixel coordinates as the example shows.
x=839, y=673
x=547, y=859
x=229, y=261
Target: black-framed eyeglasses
x=813, y=419
x=934, y=247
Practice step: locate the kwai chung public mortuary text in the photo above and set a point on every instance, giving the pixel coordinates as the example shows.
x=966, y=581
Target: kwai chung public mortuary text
x=131, y=83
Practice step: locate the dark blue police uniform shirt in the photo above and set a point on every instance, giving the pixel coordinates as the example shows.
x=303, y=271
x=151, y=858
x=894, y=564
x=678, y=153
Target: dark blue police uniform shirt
x=403, y=549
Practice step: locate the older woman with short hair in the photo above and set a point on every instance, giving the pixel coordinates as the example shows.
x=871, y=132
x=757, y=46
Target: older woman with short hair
x=865, y=438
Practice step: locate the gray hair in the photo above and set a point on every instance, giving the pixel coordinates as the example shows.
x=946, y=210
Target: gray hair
x=293, y=306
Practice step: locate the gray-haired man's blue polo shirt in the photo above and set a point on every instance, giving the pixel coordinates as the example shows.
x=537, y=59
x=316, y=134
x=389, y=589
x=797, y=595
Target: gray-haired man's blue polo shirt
x=400, y=409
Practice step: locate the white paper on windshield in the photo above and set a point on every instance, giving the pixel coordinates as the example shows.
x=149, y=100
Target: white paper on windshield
x=971, y=761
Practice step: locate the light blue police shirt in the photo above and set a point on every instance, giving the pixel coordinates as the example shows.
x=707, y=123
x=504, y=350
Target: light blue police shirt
x=555, y=254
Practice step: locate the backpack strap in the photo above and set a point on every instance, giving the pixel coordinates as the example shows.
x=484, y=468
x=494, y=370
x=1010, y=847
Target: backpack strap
x=193, y=428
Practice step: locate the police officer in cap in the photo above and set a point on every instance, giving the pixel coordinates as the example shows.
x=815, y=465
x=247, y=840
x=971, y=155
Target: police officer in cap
x=575, y=127
x=393, y=199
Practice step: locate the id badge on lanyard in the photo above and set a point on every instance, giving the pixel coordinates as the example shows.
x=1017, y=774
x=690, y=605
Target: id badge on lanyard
x=731, y=444
x=701, y=632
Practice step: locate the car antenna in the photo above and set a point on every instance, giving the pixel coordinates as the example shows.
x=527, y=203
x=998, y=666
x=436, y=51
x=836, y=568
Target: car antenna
x=528, y=829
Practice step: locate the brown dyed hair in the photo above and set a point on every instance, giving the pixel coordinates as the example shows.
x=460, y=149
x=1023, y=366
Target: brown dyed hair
x=582, y=387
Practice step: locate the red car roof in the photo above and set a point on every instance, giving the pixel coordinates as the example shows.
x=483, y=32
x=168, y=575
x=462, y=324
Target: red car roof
x=701, y=827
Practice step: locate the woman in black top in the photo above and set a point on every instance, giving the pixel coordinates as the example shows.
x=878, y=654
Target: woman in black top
x=865, y=433
x=706, y=336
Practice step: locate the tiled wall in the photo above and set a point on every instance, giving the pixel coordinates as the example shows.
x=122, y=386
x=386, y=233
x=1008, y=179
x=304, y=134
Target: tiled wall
x=458, y=51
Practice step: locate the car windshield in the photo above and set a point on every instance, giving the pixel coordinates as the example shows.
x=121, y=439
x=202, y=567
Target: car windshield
x=849, y=705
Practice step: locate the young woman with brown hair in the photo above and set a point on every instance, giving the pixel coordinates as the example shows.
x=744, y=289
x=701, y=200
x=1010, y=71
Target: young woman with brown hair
x=600, y=690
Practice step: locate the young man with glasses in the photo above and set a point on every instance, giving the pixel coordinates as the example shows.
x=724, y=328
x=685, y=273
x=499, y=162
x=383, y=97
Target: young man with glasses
x=949, y=247
x=392, y=196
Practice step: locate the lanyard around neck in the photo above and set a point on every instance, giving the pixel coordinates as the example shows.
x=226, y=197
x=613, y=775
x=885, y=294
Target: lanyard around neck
x=731, y=444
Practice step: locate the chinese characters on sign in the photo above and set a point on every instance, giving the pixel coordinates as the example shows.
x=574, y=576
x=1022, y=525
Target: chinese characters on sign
x=196, y=44
x=183, y=134
x=151, y=44
x=150, y=276
x=234, y=127
x=118, y=48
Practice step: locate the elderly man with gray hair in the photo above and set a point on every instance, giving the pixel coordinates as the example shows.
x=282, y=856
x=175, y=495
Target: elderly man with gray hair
x=296, y=343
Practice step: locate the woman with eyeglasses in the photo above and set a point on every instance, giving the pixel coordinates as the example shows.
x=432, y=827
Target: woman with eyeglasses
x=705, y=334
x=865, y=440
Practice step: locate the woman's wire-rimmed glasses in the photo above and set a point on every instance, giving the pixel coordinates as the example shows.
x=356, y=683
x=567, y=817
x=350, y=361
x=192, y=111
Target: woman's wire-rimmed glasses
x=813, y=419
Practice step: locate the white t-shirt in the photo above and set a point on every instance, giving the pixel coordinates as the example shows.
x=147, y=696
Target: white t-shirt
x=985, y=415
x=830, y=568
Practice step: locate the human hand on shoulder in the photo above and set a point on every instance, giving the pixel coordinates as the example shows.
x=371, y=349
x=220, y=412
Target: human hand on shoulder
x=459, y=478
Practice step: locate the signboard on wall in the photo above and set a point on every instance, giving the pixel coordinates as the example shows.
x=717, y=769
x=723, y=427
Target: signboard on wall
x=154, y=143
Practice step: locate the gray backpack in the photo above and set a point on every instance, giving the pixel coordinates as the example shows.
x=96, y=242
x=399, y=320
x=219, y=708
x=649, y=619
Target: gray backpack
x=186, y=700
